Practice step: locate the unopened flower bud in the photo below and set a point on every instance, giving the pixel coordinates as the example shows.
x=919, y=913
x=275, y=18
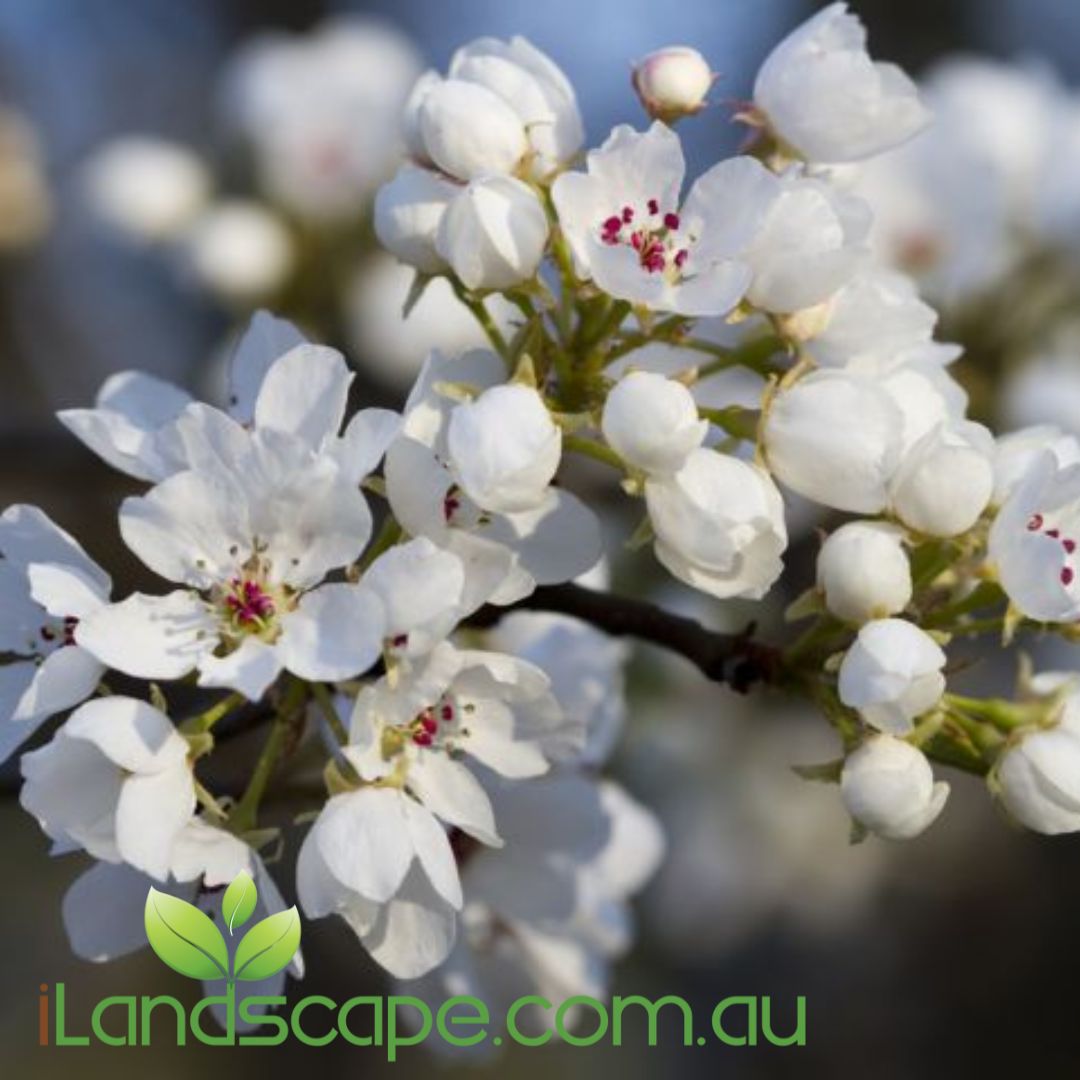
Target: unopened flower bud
x=408, y=210
x=888, y=787
x=652, y=422
x=672, y=82
x=892, y=674
x=863, y=571
x=493, y=233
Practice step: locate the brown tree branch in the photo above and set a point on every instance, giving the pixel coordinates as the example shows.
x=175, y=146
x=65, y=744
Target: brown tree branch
x=733, y=659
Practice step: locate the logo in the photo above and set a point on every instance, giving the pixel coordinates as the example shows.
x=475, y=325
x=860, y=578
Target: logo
x=188, y=940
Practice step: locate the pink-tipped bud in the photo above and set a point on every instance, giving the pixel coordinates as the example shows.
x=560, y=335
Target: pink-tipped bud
x=672, y=82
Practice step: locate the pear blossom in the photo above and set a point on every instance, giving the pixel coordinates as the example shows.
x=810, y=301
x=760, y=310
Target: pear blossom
x=381, y=861
x=835, y=437
x=504, y=447
x=672, y=82
x=408, y=211
x=240, y=251
x=506, y=555
x=628, y=233
x=466, y=130
x=892, y=674
x=1033, y=541
x=420, y=588
x=504, y=106
x=493, y=233
x=944, y=482
x=102, y=907
x=888, y=787
x=1017, y=451
x=863, y=571
x=47, y=585
x=719, y=525
x=295, y=100
x=1037, y=776
x=584, y=665
x=249, y=545
x=549, y=912
x=652, y=422
x=146, y=188
x=419, y=727
x=822, y=95
x=116, y=781
x=878, y=320
x=927, y=396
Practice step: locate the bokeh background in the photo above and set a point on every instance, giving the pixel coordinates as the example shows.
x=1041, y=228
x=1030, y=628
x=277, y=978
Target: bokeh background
x=951, y=956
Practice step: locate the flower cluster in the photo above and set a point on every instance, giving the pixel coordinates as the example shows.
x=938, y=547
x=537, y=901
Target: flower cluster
x=347, y=576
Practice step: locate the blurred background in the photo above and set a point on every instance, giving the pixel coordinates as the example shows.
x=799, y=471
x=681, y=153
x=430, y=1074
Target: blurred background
x=166, y=168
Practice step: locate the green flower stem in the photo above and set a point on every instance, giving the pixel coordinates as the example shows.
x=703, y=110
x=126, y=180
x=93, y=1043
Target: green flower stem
x=209, y=803
x=986, y=594
x=325, y=702
x=738, y=422
x=206, y=720
x=578, y=444
x=245, y=814
x=1003, y=715
x=483, y=317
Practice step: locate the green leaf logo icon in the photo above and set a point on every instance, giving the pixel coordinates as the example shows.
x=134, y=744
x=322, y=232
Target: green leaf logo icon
x=185, y=938
x=268, y=946
x=239, y=900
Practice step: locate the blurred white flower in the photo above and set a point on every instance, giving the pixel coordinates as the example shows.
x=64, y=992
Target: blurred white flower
x=321, y=112
x=395, y=346
x=240, y=251
x=146, y=188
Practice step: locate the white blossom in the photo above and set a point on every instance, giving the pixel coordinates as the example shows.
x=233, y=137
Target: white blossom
x=240, y=251
x=535, y=88
x=506, y=555
x=863, y=571
x=493, y=233
x=383, y=863
x=888, y=787
x=892, y=674
x=835, y=437
x=408, y=211
x=1016, y=452
x=116, y=781
x=627, y=231
x=719, y=525
x=824, y=97
x=1037, y=776
x=47, y=585
x=146, y=188
x=295, y=99
x=1033, y=541
x=652, y=422
x=504, y=448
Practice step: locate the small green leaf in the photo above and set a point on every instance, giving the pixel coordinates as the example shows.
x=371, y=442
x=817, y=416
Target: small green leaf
x=239, y=900
x=268, y=946
x=185, y=938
